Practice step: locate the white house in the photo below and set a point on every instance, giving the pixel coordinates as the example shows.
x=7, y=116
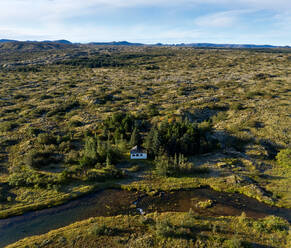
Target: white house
x=138, y=153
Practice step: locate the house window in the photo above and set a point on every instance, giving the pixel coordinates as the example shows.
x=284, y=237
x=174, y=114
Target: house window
x=137, y=155
x=133, y=155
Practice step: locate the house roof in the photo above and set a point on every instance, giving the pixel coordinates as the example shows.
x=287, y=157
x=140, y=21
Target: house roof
x=137, y=149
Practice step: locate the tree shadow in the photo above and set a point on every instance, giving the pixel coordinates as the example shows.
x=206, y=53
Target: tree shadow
x=256, y=245
x=204, y=114
x=271, y=147
x=269, y=177
x=228, y=141
x=5, y=194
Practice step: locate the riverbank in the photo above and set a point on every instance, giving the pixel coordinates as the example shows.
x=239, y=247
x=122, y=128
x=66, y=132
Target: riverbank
x=111, y=202
x=166, y=230
x=55, y=198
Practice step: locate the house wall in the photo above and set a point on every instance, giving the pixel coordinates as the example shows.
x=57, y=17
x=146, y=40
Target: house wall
x=140, y=156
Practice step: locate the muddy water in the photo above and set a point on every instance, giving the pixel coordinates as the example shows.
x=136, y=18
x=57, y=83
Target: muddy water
x=113, y=202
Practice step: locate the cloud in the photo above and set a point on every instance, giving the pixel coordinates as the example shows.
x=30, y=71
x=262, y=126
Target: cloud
x=107, y=20
x=218, y=20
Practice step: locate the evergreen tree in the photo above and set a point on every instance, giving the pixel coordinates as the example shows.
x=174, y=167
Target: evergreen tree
x=135, y=138
x=156, y=142
x=90, y=149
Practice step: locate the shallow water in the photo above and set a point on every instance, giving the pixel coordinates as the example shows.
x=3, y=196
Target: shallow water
x=112, y=202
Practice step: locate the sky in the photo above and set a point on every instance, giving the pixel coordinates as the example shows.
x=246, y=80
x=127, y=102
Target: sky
x=148, y=21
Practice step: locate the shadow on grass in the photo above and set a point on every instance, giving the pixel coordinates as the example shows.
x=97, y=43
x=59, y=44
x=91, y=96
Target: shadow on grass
x=255, y=245
x=269, y=177
x=271, y=148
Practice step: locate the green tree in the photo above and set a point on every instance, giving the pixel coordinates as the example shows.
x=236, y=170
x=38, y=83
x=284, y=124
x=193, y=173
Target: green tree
x=90, y=149
x=135, y=138
x=156, y=142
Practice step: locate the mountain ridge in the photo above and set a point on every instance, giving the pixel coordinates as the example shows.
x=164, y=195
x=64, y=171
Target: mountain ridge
x=126, y=43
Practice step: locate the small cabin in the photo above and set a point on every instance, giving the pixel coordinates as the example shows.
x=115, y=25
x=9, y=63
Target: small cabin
x=138, y=152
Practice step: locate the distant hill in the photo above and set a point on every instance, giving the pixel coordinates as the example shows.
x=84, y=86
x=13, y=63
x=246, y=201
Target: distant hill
x=45, y=41
x=210, y=45
x=59, y=44
x=11, y=45
x=226, y=45
x=117, y=43
x=4, y=41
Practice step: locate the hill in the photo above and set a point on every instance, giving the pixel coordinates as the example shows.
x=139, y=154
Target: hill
x=126, y=43
x=9, y=45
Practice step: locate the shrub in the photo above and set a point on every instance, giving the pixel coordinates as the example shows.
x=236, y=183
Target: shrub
x=252, y=94
x=234, y=242
x=33, y=132
x=71, y=157
x=274, y=223
x=284, y=157
x=46, y=139
x=221, y=116
x=101, y=175
x=205, y=204
x=152, y=110
x=7, y=126
x=152, y=67
x=38, y=159
x=236, y=106
x=271, y=224
x=98, y=229
x=29, y=178
x=85, y=161
x=165, y=229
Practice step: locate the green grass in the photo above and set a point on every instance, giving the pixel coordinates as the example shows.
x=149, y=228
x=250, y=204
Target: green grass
x=166, y=230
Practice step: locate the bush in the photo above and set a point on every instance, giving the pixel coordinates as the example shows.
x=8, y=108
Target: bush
x=284, y=157
x=28, y=178
x=205, y=204
x=221, y=116
x=86, y=162
x=101, y=175
x=33, y=132
x=165, y=229
x=7, y=126
x=236, y=106
x=38, y=159
x=46, y=139
x=232, y=243
x=271, y=224
x=98, y=229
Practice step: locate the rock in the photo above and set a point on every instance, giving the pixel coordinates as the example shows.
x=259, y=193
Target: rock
x=235, y=179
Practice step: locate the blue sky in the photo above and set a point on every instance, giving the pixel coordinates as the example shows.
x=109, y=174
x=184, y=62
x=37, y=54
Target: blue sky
x=148, y=21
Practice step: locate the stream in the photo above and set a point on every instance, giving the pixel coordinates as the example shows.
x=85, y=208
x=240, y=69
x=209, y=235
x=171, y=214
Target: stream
x=112, y=202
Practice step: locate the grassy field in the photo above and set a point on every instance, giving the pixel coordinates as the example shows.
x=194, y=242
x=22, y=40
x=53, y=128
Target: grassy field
x=166, y=230
x=57, y=105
